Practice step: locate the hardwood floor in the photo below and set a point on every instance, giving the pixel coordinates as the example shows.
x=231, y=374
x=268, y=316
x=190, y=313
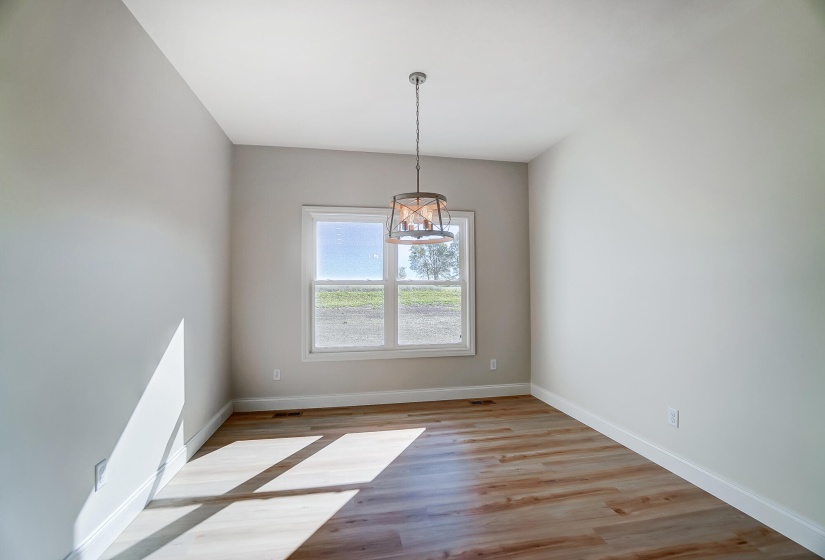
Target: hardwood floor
x=513, y=479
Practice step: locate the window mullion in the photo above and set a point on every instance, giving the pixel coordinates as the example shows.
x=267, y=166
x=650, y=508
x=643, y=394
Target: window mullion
x=310, y=269
x=390, y=296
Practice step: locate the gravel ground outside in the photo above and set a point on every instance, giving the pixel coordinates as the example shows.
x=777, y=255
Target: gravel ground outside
x=337, y=327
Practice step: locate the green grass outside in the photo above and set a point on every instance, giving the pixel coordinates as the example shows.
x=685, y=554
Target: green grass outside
x=337, y=298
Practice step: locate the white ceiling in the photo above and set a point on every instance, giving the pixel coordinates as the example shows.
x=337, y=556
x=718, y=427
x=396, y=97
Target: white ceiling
x=507, y=79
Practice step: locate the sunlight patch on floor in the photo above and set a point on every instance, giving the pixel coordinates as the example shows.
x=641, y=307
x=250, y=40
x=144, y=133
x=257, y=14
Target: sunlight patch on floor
x=226, y=521
x=132, y=542
x=351, y=459
x=265, y=529
x=222, y=470
x=259, y=529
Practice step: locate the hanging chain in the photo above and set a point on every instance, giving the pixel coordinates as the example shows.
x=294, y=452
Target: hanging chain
x=417, y=160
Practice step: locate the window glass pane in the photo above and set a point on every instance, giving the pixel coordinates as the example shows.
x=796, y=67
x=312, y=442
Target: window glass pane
x=438, y=261
x=429, y=315
x=350, y=251
x=347, y=316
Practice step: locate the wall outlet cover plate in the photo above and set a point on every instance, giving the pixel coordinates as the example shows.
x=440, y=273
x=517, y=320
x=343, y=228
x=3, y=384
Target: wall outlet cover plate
x=100, y=474
x=673, y=417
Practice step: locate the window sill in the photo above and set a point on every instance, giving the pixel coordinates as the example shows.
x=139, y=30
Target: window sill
x=387, y=354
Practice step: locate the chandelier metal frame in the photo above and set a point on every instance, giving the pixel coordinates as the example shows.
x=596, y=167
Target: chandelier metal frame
x=418, y=218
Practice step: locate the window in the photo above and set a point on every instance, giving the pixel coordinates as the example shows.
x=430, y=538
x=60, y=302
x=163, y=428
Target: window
x=366, y=299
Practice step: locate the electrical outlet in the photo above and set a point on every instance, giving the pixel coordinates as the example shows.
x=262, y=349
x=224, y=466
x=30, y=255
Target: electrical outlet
x=276, y=375
x=492, y=364
x=673, y=417
x=100, y=474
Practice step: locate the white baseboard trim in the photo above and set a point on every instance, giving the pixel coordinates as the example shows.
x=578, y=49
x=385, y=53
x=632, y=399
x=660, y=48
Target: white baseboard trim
x=93, y=546
x=197, y=441
x=803, y=531
x=381, y=397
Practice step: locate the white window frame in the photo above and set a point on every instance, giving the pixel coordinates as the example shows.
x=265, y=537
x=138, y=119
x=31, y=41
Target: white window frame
x=390, y=282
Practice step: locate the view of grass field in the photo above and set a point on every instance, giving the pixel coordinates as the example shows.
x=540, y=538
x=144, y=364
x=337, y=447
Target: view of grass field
x=442, y=296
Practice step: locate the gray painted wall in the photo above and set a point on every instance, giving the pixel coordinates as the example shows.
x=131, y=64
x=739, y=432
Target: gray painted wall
x=678, y=259
x=269, y=187
x=114, y=209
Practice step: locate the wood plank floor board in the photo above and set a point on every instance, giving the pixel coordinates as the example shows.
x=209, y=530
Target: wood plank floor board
x=512, y=480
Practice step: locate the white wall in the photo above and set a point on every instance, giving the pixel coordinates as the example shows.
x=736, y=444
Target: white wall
x=269, y=187
x=678, y=259
x=114, y=208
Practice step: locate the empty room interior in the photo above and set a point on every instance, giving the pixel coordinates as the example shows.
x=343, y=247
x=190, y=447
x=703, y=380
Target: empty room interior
x=363, y=279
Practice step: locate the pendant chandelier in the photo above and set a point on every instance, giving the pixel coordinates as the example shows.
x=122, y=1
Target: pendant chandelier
x=418, y=218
